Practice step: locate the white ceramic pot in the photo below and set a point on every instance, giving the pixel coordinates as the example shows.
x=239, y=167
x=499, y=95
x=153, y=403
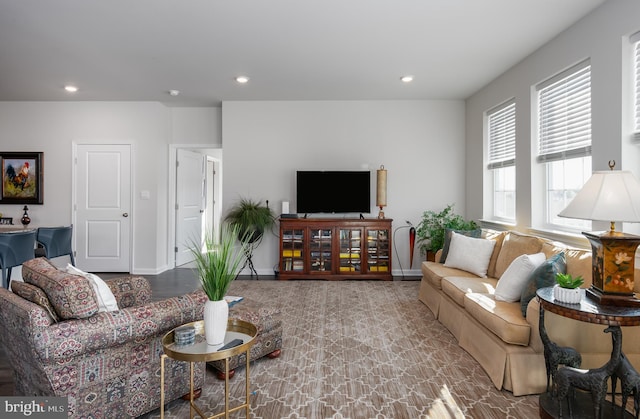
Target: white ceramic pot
x=216, y=314
x=567, y=295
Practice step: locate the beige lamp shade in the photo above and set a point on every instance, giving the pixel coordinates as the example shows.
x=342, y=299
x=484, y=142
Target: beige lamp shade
x=381, y=191
x=612, y=195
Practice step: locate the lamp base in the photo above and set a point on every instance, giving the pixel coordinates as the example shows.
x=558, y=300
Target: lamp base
x=617, y=300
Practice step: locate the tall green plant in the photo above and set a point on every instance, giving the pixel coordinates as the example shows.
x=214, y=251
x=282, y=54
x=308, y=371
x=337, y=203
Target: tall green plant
x=430, y=231
x=251, y=217
x=220, y=262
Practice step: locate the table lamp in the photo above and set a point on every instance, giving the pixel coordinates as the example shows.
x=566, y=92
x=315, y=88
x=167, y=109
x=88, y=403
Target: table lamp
x=381, y=190
x=612, y=195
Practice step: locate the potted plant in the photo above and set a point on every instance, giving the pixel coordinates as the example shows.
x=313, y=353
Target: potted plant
x=568, y=289
x=218, y=263
x=252, y=219
x=431, y=229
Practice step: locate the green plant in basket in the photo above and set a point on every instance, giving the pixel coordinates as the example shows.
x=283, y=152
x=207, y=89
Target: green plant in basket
x=568, y=281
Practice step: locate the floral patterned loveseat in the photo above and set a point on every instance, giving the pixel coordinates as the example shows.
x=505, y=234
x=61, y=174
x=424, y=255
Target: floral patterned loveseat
x=106, y=363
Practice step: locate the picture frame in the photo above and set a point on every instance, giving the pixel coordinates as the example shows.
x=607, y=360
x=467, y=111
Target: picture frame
x=22, y=177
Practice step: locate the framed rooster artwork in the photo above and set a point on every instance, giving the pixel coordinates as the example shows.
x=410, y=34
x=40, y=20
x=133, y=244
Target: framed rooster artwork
x=22, y=174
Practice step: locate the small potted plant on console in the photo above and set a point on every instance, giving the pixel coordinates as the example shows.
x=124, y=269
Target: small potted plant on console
x=568, y=288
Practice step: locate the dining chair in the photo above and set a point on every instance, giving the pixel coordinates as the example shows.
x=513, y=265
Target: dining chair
x=55, y=241
x=15, y=248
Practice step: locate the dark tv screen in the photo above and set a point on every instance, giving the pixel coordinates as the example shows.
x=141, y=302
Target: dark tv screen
x=333, y=192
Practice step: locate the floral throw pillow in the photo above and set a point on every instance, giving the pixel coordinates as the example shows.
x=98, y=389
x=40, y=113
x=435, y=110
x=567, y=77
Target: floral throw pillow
x=34, y=294
x=71, y=296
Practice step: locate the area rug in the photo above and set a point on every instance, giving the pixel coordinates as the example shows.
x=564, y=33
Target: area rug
x=359, y=349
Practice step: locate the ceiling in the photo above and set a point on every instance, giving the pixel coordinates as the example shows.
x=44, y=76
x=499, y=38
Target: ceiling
x=138, y=50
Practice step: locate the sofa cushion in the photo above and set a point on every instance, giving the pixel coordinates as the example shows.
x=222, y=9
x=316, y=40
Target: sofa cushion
x=579, y=264
x=447, y=239
x=71, y=296
x=434, y=272
x=498, y=236
x=543, y=276
x=514, y=245
x=515, y=277
x=469, y=254
x=457, y=287
x=34, y=294
x=503, y=319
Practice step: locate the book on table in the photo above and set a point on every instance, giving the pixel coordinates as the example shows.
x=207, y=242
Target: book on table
x=232, y=300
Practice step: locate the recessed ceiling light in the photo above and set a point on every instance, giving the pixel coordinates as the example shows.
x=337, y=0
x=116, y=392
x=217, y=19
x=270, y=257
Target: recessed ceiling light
x=174, y=92
x=242, y=79
x=71, y=89
x=406, y=79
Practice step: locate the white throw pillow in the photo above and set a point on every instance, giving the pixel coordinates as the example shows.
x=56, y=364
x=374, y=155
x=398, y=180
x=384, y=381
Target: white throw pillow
x=515, y=277
x=469, y=254
x=104, y=296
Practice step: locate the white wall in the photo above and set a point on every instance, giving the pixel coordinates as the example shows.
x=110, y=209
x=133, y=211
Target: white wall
x=601, y=36
x=420, y=143
x=52, y=127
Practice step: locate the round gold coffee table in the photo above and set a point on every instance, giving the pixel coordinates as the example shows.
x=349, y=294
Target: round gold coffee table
x=199, y=351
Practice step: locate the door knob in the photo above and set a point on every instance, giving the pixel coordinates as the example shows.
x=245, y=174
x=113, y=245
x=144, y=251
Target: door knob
x=125, y=215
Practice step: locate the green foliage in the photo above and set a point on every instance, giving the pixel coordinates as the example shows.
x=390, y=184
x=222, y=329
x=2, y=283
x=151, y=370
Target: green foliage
x=430, y=230
x=219, y=262
x=251, y=218
x=568, y=281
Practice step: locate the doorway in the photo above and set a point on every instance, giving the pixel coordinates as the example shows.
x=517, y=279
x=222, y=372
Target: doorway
x=195, y=197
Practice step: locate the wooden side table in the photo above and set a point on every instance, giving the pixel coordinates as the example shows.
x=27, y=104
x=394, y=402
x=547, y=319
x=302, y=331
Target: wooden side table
x=588, y=311
x=199, y=351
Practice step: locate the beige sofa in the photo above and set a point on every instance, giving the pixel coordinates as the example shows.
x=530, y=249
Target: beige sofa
x=506, y=343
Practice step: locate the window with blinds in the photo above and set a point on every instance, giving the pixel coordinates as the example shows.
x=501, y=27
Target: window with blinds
x=501, y=133
x=501, y=128
x=564, y=141
x=564, y=115
x=635, y=40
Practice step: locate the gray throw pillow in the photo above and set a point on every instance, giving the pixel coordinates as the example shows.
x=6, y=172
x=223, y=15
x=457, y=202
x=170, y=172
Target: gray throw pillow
x=543, y=276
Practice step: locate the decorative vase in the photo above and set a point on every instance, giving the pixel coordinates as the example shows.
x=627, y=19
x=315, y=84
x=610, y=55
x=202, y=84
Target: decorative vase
x=216, y=314
x=25, y=217
x=567, y=295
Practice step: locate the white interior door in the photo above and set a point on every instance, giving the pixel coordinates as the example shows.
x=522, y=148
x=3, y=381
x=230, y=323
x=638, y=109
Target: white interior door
x=103, y=207
x=190, y=203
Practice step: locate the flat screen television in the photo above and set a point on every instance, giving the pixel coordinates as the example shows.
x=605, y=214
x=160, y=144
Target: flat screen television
x=333, y=191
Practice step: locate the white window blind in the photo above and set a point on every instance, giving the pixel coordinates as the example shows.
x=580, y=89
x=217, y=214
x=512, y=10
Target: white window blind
x=635, y=40
x=564, y=115
x=501, y=128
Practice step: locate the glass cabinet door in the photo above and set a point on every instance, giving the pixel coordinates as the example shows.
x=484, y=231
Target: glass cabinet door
x=378, y=251
x=320, y=250
x=292, y=250
x=350, y=250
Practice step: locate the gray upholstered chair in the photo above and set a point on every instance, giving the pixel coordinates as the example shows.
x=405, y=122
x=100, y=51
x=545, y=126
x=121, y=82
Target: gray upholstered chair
x=15, y=248
x=55, y=241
